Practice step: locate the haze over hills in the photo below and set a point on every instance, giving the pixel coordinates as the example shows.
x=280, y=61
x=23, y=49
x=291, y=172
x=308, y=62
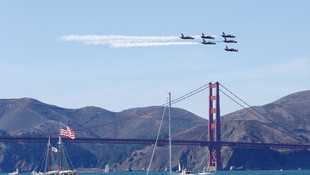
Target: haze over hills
x=286, y=120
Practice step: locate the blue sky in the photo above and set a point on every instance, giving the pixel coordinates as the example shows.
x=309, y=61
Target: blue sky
x=273, y=58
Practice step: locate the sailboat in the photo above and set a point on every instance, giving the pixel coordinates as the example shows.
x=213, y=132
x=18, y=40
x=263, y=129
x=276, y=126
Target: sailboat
x=186, y=172
x=106, y=168
x=65, y=131
x=179, y=168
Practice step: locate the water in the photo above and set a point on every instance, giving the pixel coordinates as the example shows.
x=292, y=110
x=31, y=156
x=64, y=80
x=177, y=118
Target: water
x=274, y=172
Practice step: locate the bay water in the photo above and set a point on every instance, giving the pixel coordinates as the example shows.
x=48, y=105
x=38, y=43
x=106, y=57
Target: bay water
x=261, y=172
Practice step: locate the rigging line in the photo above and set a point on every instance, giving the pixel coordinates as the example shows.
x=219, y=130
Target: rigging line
x=64, y=161
x=46, y=160
x=162, y=118
x=67, y=155
x=43, y=158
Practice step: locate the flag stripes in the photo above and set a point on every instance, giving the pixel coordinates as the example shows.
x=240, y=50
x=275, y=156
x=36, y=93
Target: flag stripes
x=66, y=131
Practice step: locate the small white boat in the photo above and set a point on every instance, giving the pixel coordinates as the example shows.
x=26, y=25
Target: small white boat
x=106, y=168
x=206, y=171
x=186, y=172
x=36, y=173
x=62, y=172
x=15, y=172
x=179, y=168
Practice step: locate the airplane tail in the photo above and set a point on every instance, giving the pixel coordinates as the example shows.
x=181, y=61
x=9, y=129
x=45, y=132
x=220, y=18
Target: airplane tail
x=203, y=40
x=226, y=47
x=223, y=33
x=203, y=34
x=182, y=35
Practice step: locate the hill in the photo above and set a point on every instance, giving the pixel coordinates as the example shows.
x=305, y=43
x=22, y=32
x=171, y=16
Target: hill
x=286, y=120
x=33, y=118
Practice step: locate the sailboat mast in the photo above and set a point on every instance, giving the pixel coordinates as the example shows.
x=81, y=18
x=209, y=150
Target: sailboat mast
x=170, y=157
x=59, y=151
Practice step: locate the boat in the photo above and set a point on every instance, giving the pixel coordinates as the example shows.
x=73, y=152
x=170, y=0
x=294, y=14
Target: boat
x=61, y=153
x=184, y=171
x=106, y=168
x=15, y=172
x=206, y=171
x=179, y=168
x=129, y=169
x=61, y=172
x=187, y=172
x=36, y=173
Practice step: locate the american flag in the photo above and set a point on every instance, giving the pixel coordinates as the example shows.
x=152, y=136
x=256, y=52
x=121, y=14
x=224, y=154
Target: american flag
x=67, y=131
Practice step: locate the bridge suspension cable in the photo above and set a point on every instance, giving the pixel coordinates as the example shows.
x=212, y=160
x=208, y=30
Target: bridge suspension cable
x=257, y=114
x=240, y=100
x=196, y=91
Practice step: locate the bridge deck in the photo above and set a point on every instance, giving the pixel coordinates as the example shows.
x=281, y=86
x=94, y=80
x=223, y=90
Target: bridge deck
x=149, y=141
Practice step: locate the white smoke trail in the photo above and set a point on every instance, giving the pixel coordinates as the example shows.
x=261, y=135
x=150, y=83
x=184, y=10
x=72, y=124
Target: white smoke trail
x=106, y=39
x=148, y=44
x=120, y=41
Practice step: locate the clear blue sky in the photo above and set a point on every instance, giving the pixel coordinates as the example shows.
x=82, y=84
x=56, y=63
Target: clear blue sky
x=273, y=58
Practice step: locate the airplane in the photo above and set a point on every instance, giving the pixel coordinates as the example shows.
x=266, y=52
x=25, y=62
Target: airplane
x=204, y=42
x=185, y=37
x=228, y=35
x=207, y=37
x=231, y=49
x=229, y=41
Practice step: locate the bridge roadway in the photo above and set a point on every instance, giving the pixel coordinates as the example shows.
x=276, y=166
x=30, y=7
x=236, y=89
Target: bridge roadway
x=149, y=142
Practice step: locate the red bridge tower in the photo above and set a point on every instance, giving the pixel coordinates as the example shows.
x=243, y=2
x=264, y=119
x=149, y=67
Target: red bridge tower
x=214, y=128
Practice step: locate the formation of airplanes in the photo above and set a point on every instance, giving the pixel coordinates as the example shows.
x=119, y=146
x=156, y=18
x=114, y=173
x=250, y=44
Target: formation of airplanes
x=203, y=36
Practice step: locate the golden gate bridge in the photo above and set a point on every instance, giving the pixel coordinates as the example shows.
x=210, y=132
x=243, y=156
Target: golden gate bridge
x=214, y=142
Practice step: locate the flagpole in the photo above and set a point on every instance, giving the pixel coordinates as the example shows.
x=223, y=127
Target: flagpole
x=59, y=151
